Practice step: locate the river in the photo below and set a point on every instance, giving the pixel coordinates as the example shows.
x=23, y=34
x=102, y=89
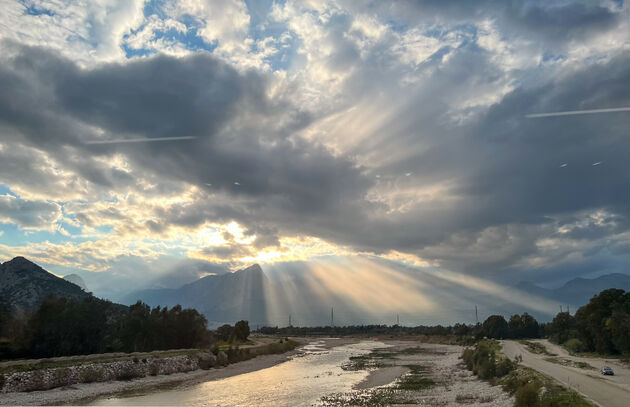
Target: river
x=301, y=381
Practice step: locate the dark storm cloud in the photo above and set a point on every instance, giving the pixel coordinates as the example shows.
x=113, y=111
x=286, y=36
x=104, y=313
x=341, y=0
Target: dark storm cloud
x=243, y=146
x=554, y=21
x=29, y=214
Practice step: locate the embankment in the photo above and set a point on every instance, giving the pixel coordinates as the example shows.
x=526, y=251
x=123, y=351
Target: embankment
x=46, y=374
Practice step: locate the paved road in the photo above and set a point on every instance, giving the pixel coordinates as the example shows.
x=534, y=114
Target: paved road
x=588, y=382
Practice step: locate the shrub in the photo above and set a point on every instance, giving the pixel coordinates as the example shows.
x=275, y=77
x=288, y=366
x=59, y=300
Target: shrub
x=207, y=361
x=484, y=362
x=2, y=380
x=527, y=395
x=90, y=374
x=504, y=366
x=486, y=369
x=127, y=373
x=60, y=377
x=154, y=368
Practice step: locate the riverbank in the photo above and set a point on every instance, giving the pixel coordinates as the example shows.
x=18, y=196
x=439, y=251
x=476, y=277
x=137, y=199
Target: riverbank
x=85, y=393
x=183, y=368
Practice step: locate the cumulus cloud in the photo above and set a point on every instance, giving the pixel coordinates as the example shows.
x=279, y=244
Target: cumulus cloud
x=29, y=215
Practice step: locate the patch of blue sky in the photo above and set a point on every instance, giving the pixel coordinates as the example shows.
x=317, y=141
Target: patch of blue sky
x=12, y=235
x=154, y=7
x=188, y=39
x=551, y=57
x=5, y=190
x=32, y=9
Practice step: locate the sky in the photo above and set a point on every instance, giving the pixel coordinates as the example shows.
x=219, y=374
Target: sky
x=300, y=132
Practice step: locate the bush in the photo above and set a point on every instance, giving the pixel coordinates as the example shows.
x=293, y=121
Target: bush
x=527, y=395
x=484, y=362
x=504, y=366
x=154, y=368
x=90, y=374
x=2, y=381
x=207, y=361
x=127, y=373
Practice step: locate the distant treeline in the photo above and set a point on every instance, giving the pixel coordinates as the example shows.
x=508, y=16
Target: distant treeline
x=62, y=327
x=519, y=326
x=602, y=326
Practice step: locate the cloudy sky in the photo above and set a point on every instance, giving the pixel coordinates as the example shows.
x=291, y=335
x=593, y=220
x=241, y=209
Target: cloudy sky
x=309, y=130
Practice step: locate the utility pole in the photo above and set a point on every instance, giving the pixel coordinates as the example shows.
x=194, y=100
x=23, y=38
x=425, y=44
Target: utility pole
x=561, y=309
x=332, y=317
x=397, y=320
x=476, y=315
x=568, y=310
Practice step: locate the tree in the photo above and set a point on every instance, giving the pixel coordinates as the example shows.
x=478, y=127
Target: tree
x=225, y=332
x=562, y=328
x=594, y=320
x=63, y=327
x=495, y=327
x=241, y=330
x=523, y=326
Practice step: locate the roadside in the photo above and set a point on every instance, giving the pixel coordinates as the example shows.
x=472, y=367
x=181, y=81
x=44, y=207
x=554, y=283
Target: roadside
x=587, y=382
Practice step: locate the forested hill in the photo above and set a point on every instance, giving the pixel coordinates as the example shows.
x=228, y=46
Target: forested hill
x=24, y=285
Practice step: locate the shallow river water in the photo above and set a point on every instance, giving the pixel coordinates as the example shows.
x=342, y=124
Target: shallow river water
x=301, y=381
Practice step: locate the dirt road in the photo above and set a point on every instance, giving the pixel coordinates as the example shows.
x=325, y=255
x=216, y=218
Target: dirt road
x=602, y=390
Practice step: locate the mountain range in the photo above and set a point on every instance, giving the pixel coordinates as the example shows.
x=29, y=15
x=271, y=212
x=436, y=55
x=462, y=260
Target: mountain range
x=309, y=297
x=578, y=291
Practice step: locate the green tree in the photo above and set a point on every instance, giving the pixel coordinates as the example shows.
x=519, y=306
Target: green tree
x=562, y=328
x=225, y=332
x=594, y=320
x=241, y=330
x=495, y=327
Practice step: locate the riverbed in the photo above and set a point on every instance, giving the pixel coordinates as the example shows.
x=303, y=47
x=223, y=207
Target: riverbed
x=301, y=381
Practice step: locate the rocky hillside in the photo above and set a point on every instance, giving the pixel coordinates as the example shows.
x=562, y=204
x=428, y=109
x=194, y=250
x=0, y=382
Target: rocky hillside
x=24, y=285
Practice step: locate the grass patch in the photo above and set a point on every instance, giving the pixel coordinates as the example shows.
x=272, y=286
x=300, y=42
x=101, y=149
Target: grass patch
x=533, y=389
x=571, y=363
x=537, y=348
x=375, y=359
x=373, y=398
x=415, y=380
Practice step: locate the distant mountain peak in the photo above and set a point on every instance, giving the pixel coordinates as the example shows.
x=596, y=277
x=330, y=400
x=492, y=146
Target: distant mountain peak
x=19, y=260
x=77, y=280
x=24, y=284
x=254, y=268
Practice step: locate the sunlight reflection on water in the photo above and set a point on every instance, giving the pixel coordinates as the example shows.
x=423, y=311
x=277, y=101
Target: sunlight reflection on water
x=301, y=381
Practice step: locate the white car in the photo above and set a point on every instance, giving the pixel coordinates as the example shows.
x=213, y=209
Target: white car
x=607, y=371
